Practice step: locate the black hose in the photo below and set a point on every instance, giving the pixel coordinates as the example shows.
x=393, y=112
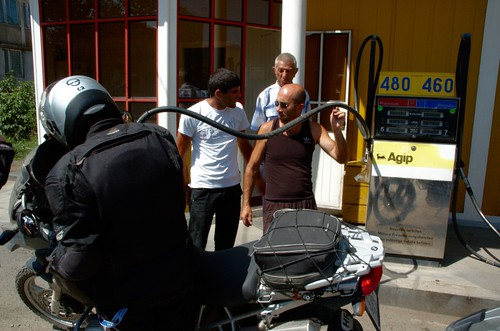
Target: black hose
x=373, y=76
x=455, y=222
x=365, y=132
x=461, y=75
x=468, y=187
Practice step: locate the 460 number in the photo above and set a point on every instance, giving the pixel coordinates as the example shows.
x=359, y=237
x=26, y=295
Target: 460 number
x=438, y=85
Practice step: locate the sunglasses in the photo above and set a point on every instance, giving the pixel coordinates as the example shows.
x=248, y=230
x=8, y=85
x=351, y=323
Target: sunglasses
x=281, y=104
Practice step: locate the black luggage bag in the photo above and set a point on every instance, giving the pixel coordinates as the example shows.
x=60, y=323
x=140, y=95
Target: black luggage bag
x=300, y=247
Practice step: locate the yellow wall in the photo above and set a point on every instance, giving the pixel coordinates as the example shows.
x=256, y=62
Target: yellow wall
x=417, y=36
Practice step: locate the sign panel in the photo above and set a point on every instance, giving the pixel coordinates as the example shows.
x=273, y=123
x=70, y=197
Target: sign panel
x=417, y=84
x=428, y=119
x=409, y=215
x=413, y=160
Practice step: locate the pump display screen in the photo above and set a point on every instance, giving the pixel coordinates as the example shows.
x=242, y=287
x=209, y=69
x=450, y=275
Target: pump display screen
x=426, y=119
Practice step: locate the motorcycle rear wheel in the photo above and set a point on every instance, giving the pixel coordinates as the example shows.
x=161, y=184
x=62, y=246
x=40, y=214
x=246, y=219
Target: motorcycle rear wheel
x=37, y=295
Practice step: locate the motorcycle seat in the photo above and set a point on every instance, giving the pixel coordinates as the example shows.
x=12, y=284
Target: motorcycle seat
x=227, y=277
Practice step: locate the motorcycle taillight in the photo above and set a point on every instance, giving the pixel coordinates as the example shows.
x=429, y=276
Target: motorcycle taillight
x=369, y=283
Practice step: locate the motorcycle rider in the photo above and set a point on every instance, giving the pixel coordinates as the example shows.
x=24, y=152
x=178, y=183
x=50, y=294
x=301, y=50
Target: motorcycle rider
x=120, y=231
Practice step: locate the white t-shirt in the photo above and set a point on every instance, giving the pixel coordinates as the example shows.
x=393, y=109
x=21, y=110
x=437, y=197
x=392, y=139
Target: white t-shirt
x=214, y=157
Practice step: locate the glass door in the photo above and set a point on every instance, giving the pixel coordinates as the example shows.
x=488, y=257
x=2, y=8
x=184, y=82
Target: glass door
x=327, y=78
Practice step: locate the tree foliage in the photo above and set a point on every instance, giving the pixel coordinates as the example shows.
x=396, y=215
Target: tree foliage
x=17, y=109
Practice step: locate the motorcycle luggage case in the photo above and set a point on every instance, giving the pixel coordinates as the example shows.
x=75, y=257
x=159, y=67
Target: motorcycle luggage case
x=300, y=247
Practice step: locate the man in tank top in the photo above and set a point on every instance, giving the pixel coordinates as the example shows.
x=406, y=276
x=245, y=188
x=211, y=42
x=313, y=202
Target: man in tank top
x=289, y=157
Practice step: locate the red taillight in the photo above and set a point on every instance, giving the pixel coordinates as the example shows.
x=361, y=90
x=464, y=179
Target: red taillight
x=369, y=283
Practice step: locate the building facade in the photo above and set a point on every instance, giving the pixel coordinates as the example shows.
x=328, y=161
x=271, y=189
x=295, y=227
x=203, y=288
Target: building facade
x=16, y=57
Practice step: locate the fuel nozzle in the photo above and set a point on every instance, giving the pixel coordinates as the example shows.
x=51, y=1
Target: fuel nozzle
x=364, y=175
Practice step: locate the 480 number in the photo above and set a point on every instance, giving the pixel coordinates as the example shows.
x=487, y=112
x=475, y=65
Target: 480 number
x=396, y=83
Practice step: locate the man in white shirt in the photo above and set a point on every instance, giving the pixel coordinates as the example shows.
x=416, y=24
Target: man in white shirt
x=214, y=179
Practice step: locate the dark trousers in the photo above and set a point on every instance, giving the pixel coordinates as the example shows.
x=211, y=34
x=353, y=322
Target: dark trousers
x=225, y=204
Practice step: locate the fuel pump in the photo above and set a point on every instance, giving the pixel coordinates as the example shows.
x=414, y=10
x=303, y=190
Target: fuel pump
x=412, y=154
x=416, y=161
x=413, y=158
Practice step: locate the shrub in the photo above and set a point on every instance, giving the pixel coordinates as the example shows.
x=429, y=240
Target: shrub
x=17, y=109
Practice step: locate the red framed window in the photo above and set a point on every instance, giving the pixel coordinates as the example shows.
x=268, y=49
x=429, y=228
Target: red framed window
x=215, y=33
x=111, y=41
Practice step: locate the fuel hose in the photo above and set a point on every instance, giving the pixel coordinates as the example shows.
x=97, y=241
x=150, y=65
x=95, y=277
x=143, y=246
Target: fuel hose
x=373, y=74
x=365, y=132
x=461, y=75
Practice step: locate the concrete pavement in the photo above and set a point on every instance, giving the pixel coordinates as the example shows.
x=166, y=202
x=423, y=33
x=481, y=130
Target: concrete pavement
x=458, y=286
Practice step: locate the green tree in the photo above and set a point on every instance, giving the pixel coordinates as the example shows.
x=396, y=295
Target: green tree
x=17, y=109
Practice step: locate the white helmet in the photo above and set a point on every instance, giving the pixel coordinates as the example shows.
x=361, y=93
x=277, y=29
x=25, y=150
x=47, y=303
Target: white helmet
x=70, y=106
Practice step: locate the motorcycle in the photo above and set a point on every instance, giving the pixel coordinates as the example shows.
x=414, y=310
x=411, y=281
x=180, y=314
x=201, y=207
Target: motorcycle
x=249, y=301
x=279, y=282
x=483, y=320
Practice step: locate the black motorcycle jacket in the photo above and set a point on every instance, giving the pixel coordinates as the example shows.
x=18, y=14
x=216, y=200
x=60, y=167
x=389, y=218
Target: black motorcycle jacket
x=6, y=158
x=119, y=217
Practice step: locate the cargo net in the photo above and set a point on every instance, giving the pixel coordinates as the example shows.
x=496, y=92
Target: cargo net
x=308, y=249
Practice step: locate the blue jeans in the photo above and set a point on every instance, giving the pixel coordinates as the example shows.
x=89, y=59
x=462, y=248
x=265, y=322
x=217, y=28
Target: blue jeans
x=225, y=204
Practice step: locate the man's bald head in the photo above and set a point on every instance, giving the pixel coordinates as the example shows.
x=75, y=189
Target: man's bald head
x=295, y=92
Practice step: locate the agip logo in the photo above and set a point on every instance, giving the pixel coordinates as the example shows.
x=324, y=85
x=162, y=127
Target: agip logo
x=396, y=158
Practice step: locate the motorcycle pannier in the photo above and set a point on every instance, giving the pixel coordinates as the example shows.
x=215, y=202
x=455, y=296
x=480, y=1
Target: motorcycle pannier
x=299, y=248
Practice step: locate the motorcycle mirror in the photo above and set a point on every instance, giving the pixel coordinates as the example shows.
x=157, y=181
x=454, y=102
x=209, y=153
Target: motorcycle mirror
x=7, y=235
x=27, y=222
